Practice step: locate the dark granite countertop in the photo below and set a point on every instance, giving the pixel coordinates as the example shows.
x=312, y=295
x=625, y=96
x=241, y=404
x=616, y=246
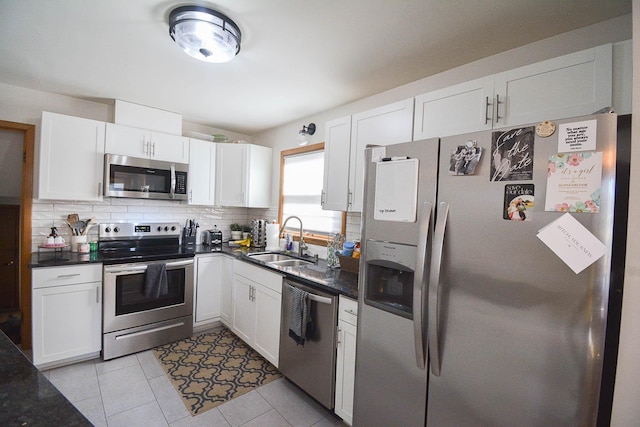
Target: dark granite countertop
x=27, y=398
x=316, y=275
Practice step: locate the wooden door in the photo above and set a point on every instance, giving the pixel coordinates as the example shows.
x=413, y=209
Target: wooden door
x=9, y=250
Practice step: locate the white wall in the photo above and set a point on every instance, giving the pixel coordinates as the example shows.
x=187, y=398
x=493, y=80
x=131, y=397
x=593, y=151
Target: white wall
x=626, y=410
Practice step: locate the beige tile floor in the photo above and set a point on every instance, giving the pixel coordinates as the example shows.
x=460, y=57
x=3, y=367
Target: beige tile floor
x=135, y=391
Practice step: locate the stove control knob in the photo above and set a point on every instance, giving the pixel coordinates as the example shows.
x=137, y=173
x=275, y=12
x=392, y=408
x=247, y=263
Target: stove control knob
x=159, y=228
x=108, y=229
x=116, y=229
x=173, y=228
x=166, y=228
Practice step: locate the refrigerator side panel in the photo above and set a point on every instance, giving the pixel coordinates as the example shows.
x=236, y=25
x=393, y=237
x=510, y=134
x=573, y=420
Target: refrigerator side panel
x=521, y=335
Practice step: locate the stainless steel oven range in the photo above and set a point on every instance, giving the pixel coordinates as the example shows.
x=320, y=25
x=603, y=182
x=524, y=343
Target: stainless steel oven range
x=148, y=287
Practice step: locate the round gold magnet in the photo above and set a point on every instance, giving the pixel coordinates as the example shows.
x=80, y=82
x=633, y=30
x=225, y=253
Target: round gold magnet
x=545, y=129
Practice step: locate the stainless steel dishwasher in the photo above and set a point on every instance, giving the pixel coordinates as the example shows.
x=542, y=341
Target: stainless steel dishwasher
x=311, y=366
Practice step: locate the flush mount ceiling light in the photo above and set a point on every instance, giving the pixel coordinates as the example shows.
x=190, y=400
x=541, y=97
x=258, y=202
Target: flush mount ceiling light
x=205, y=34
x=306, y=130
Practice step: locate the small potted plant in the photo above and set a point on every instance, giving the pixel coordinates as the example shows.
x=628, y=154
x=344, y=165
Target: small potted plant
x=246, y=230
x=236, y=231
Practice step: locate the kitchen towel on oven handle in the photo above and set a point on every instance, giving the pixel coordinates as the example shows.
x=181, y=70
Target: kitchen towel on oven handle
x=155, y=280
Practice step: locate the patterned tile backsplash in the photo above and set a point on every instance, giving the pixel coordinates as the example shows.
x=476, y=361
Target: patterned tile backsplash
x=53, y=213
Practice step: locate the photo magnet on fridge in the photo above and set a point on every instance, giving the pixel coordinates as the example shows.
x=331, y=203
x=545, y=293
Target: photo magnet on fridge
x=465, y=158
x=512, y=154
x=518, y=202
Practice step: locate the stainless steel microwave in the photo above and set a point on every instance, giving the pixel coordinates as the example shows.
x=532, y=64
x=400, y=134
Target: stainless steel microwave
x=132, y=177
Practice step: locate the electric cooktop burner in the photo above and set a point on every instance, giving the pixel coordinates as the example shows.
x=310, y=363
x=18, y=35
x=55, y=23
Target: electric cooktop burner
x=137, y=242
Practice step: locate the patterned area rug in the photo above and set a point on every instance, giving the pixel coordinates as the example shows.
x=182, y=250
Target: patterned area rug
x=210, y=369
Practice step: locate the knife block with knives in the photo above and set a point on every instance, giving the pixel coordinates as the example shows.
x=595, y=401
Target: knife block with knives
x=189, y=233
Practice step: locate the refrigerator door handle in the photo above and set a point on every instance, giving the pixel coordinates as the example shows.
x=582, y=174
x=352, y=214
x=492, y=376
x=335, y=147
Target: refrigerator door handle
x=434, y=288
x=419, y=282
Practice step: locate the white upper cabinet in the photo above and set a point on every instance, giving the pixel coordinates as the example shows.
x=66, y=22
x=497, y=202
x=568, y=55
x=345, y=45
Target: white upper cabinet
x=71, y=158
x=243, y=175
x=571, y=85
x=202, y=172
x=335, y=188
x=390, y=124
x=568, y=86
x=143, y=143
x=455, y=110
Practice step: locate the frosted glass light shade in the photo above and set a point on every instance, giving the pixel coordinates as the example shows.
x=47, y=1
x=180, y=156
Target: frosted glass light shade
x=204, y=34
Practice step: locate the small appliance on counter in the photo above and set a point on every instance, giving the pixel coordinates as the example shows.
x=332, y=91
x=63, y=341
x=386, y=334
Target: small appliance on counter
x=259, y=233
x=213, y=239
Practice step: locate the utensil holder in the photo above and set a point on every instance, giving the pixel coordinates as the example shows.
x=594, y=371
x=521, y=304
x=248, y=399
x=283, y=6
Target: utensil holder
x=75, y=240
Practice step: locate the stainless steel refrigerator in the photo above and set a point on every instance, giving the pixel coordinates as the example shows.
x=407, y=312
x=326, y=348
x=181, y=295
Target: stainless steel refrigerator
x=466, y=317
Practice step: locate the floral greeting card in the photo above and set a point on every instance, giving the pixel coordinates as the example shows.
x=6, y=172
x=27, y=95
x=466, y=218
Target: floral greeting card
x=573, y=182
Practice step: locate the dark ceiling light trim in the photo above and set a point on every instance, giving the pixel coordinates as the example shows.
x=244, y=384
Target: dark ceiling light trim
x=204, y=33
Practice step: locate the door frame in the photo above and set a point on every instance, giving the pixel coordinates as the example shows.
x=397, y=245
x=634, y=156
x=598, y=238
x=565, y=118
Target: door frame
x=28, y=136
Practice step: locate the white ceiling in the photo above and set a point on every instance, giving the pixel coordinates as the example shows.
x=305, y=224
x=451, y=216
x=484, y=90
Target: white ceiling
x=298, y=57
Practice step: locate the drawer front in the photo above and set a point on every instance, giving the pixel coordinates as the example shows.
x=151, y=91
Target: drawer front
x=348, y=310
x=66, y=275
x=260, y=275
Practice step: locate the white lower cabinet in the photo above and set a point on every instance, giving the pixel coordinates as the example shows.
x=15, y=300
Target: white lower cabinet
x=256, y=305
x=207, y=289
x=226, y=288
x=67, y=314
x=346, y=358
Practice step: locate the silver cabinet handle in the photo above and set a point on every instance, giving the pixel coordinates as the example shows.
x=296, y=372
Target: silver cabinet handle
x=97, y=294
x=99, y=189
x=339, y=337
x=434, y=288
x=486, y=110
x=419, y=285
x=322, y=198
x=498, y=108
x=355, y=313
x=66, y=276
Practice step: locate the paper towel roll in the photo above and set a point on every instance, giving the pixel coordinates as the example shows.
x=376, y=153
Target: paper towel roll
x=273, y=238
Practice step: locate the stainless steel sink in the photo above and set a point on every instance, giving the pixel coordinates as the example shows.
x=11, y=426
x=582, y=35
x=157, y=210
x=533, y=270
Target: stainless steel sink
x=270, y=257
x=279, y=259
x=291, y=263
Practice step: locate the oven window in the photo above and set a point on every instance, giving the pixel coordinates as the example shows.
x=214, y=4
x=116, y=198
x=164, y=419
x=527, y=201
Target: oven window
x=390, y=289
x=133, y=178
x=131, y=298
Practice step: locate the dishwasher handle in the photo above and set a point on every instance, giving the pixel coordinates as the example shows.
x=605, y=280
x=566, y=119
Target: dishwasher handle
x=316, y=298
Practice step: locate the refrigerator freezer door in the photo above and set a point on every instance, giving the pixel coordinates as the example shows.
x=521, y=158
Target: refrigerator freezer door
x=521, y=335
x=390, y=388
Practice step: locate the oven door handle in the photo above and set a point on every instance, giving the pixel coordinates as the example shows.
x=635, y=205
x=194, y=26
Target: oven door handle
x=115, y=269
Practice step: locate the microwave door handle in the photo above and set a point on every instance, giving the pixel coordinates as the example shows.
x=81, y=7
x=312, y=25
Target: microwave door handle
x=434, y=288
x=172, y=192
x=419, y=285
